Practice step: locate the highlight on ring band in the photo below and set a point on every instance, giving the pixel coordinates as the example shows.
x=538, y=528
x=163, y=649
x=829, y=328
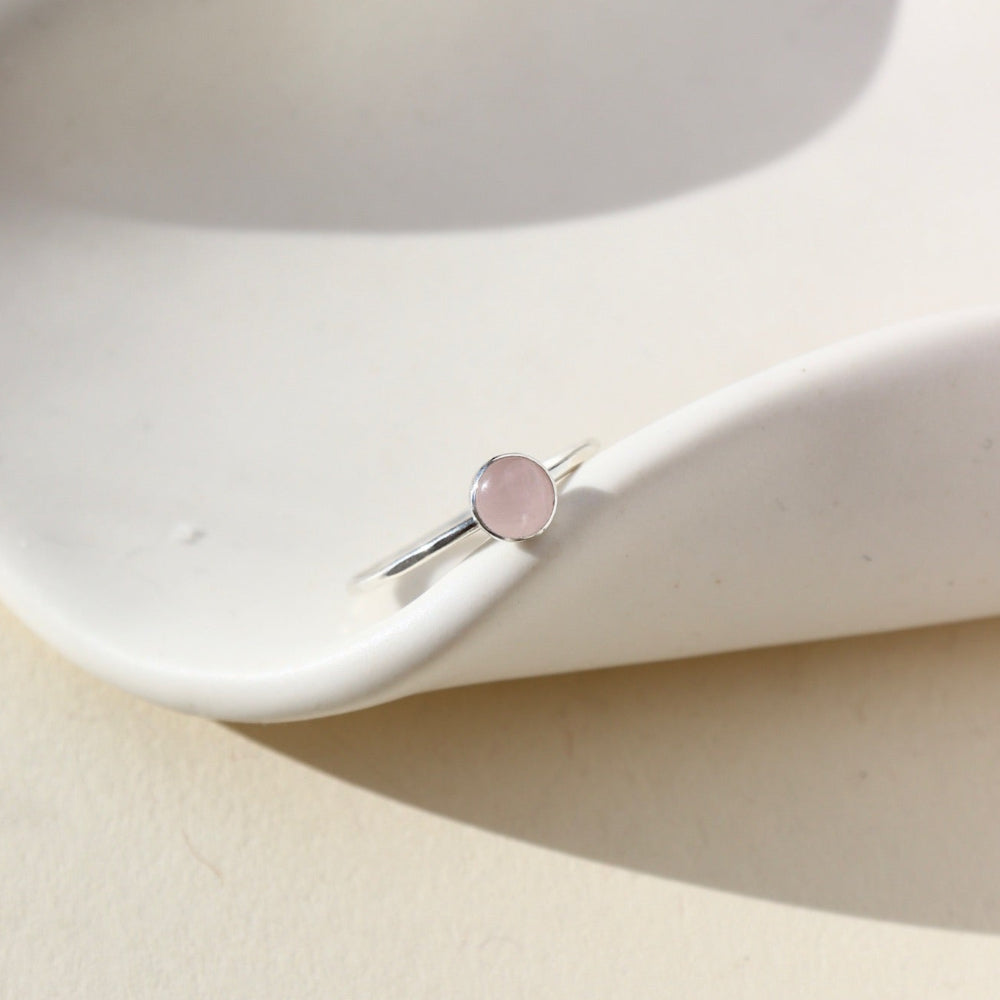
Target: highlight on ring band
x=513, y=497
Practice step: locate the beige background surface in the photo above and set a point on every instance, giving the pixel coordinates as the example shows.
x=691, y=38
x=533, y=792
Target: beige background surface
x=810, y=821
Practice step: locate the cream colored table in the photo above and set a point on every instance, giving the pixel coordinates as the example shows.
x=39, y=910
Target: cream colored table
x=812, y=821
x=808, y=821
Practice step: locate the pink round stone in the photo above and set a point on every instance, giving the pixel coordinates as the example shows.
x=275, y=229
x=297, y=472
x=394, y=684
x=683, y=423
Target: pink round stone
x=514, y=497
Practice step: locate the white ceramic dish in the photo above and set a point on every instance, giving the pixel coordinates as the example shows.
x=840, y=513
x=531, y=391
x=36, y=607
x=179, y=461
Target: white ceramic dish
x=242, y=355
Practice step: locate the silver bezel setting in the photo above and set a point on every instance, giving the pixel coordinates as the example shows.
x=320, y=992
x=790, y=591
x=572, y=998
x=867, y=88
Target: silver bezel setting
x=475, y=486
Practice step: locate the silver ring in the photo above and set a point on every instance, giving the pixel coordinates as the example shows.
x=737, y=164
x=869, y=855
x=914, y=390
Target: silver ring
x=513, y=497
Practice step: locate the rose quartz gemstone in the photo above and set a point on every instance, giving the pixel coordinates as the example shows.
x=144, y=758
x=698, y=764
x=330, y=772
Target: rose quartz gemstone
x=514, y=497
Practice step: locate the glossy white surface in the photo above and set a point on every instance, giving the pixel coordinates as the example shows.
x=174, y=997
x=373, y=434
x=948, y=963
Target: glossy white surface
x=206, y=352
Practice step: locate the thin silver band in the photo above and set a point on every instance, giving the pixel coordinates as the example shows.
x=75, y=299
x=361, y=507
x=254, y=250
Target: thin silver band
x=466, y=524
